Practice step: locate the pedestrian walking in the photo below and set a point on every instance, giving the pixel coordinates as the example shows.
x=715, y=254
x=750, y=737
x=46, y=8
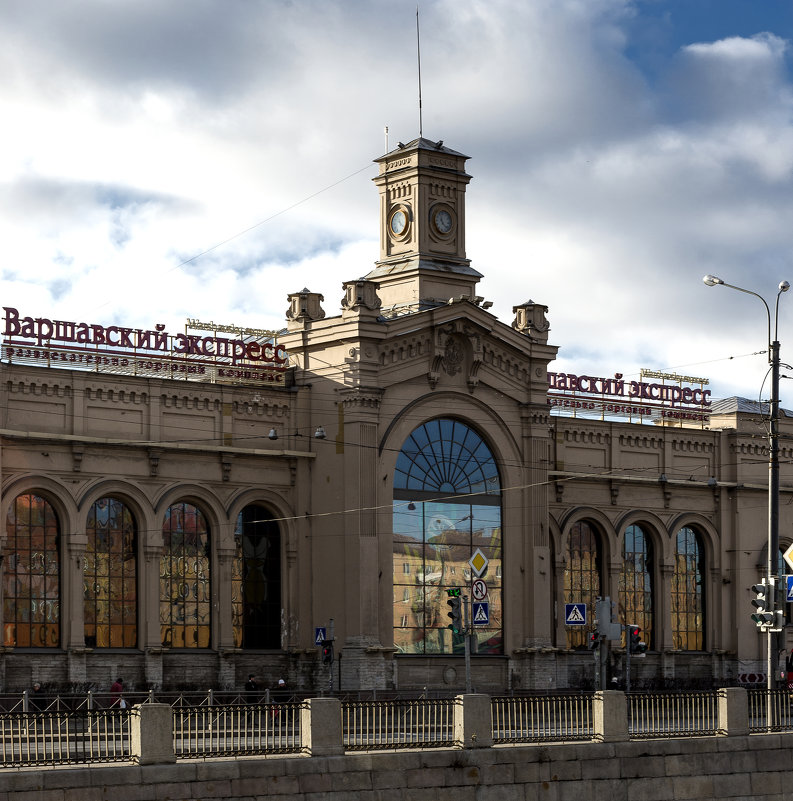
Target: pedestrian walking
x=116, y=690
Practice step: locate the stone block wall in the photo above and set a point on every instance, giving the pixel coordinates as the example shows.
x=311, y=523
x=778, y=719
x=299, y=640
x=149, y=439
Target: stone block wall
x=758, y=767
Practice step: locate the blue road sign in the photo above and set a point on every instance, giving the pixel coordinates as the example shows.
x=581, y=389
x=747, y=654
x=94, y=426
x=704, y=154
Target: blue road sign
x=575, y=614
x=480, y=611
x=319, y=635
x=789, y=597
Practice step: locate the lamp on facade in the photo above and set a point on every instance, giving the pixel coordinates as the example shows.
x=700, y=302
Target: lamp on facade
x=318, y=434
x=773, y=447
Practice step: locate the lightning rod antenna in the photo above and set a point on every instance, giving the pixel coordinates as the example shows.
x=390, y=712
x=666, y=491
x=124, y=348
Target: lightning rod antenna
x=386, y=139
x=418, y=53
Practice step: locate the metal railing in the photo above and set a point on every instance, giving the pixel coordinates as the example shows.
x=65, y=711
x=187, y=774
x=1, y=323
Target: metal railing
x=672, y=715
x=82, y=729
x=542, y=718
x=423, y=723
x=770, y=710
x=204, y=731
x=65, y=737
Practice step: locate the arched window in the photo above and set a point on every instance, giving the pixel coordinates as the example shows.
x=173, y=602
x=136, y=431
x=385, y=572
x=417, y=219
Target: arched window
x=688, y=596
x=31, y=590
x=447, y=513
x=636, y=582
x=110, y=601
x=256, y=580
x=581, y=575
x=185, y=600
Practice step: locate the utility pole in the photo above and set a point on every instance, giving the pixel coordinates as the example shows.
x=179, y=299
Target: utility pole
x=468, y=629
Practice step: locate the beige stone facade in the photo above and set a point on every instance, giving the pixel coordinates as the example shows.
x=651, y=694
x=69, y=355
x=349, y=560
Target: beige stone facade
x=412, y=343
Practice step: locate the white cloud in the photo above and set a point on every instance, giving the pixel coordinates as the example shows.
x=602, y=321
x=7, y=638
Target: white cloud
x=142, y=134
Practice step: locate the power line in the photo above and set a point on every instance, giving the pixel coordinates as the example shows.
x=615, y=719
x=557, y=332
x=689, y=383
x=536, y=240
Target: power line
x=268, y=219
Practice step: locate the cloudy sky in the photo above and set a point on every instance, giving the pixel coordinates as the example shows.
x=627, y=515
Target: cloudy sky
x=203, y=158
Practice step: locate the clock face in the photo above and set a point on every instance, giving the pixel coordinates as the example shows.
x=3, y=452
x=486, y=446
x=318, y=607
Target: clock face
x=443, y=221
x=399, y=222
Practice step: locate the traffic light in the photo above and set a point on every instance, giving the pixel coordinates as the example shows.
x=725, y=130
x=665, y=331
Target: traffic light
x=635, y=643
x=455, y=604
x=327, y=652
x=764, y=603
x=593, y=640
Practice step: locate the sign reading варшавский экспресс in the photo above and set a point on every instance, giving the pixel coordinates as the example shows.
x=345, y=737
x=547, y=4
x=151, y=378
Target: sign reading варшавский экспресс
x=251, y=358
x=588, y=395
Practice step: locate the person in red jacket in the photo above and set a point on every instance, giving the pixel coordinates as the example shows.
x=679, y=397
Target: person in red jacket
x=116, y=688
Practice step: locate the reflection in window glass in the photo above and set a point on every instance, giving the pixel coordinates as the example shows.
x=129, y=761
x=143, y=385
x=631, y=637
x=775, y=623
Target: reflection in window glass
x=435, y=537
x=109, y=576
x=184, y=578
x=581, y=576
x=256, y=580
x=636, y=583
x=688, y=609
x=31, y=591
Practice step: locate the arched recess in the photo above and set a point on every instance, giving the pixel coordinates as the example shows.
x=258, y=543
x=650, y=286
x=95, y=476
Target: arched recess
x=203, y=497
x=47, y=615
x=257, y=576
x=446, y=511
x=604, y=524
x=694, y=564
x=710, y=536
x=185, y=573
x=638, y=580
x=32, y=573
x=115, y=526
x=639, y=595
x=57, y=493
x=473, y=412
x=584, y=573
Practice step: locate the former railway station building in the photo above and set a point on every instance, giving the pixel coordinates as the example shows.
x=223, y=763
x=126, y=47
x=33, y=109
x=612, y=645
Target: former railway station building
x=187, y=509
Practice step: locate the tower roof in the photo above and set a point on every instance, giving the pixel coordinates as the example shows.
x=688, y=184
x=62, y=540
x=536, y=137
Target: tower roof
x=421, y=143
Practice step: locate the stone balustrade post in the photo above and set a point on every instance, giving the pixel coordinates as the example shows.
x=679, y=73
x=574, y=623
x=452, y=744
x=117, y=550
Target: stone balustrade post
x=473, y=723
x=610, y=716
x=320, y=727
x=733, y=712
x=152, y=734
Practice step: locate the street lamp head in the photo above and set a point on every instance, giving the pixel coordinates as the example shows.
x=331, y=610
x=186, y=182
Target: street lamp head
x=784, y=286
x=711, y=280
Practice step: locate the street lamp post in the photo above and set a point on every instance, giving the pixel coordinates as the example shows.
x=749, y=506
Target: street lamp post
x=773, y=453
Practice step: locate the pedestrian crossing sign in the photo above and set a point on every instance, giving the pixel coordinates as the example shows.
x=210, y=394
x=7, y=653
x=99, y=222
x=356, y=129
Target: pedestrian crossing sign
x=480, y=611
x=575, y=614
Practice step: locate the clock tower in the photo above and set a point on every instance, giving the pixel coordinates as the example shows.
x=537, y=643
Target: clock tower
x=422, y=227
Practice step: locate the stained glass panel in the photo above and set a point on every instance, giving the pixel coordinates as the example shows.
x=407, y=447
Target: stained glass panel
x=31, y=575
x=110, y=576
x=185, y=578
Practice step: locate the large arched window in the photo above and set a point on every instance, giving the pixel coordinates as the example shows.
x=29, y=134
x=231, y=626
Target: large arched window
x=447, y=509
x=256, y=580
x=110, y=598
x=31, y=591
x=688, y=593
x=582, y=576
x=185, y=601
x=636, y=582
